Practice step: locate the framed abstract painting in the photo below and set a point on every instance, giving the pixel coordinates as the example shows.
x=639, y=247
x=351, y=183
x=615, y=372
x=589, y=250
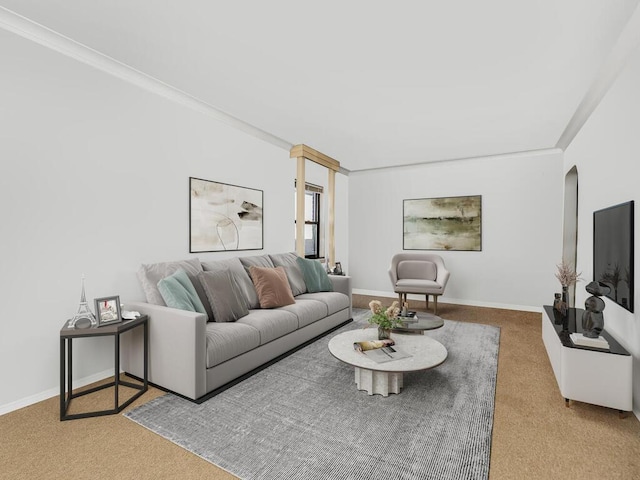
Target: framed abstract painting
x=446, y=223
x=224, y=217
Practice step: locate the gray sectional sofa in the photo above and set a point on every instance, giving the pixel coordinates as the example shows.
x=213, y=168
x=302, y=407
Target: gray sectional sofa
x=192, y=355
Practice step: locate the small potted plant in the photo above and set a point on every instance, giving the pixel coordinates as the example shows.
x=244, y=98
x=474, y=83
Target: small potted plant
x=384, y=318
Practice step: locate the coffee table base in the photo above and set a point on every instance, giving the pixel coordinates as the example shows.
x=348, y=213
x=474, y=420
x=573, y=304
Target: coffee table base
x=378, y=383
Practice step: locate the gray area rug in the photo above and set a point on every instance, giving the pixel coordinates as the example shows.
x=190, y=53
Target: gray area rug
x=303, y=418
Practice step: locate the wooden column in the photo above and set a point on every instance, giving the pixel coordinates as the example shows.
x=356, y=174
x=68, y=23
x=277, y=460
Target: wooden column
x=300, y=184
x=331, y=218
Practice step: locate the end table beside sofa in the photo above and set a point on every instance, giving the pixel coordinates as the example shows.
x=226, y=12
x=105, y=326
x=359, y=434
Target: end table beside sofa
x=66, y=366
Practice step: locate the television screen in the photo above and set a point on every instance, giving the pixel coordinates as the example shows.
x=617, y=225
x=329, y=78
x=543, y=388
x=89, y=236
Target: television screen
x=613, y=252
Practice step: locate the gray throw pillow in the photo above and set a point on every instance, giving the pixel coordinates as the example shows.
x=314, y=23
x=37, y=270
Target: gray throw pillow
x=292, y=269
x=240, y=275
x=224, y=295
x=256, y=261
x=150, y=274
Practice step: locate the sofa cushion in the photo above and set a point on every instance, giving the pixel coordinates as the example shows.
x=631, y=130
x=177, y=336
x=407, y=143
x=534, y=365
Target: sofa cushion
x=241, y=276
x=178, y=292
x=150, y=274
x=334, y=301
x=314, y=275
x=256, y=261
x=228, y=340
x=272, y=286
x=225, y=299
x=291, y=267
x=307, y=311
x=271, y=324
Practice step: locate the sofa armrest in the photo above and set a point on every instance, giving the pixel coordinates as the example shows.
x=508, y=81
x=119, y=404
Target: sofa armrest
x=177, y=349
x=342, y=284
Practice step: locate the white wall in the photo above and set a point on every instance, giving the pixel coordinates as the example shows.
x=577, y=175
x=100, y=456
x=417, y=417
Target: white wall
x=94, y=180
x=521, y=226
x=606, y=152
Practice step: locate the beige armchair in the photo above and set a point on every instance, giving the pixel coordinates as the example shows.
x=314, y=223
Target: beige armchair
x=421, y=273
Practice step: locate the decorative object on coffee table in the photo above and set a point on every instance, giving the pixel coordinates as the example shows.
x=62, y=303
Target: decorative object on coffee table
x=419, y=325
x=567, y=276
x=592, y=318
x=108, y=310
x=384, y=318
x=84, y=318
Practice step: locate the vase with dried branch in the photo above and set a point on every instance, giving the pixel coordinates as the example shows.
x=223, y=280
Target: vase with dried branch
x=567, y=276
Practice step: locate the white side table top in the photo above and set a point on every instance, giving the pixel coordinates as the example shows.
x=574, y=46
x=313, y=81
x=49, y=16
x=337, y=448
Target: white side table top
x=425, y=351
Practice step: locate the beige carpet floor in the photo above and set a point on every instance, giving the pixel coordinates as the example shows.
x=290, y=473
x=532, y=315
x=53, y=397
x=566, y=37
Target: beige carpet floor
x=534, y=436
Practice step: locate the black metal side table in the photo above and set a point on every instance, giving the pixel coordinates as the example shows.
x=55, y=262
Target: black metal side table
x=115, y=330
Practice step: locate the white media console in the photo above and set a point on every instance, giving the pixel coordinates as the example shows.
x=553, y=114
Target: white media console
x=586, y=374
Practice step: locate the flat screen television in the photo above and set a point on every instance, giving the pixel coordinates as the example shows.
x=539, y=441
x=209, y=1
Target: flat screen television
x=613, y=252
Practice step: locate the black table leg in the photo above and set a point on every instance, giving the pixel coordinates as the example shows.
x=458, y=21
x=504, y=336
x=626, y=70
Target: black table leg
x=116, y=379
x=63, y=382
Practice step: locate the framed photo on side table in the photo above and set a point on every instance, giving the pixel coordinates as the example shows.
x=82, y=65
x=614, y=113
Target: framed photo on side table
x=108, y=310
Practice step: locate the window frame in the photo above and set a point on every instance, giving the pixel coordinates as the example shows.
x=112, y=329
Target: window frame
x=316, y=191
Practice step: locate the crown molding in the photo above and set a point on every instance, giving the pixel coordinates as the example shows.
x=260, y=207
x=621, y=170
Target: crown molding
x=527, y=153
x=23, y=27
x=625, y=46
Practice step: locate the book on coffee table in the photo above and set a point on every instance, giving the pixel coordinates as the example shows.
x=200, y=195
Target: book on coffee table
x=386, y=354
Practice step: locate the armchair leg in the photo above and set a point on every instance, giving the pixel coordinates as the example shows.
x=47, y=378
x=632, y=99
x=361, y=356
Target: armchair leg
x=427, y=302
x=435, y=304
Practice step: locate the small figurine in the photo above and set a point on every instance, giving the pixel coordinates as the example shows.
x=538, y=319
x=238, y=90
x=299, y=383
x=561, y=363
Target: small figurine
x=592, y=318
x=559, y=305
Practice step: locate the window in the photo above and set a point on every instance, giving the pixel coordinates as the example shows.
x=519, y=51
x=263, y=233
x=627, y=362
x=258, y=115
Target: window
x=312, y=222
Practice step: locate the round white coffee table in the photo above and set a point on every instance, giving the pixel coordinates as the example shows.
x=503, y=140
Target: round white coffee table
x=386, y=378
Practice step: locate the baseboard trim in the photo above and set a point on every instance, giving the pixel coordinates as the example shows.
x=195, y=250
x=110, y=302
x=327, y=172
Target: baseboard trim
x=54, y=392
x=454, y=301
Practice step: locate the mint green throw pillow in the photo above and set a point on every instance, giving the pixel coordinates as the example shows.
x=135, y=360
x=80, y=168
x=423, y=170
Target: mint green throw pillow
x=314, y=276
x=178, y=292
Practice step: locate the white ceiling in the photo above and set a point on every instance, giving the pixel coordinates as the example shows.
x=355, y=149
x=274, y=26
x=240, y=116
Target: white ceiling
x=369, y=83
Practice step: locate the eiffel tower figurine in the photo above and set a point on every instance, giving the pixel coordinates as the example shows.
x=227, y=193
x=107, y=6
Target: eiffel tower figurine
x=84, y=313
